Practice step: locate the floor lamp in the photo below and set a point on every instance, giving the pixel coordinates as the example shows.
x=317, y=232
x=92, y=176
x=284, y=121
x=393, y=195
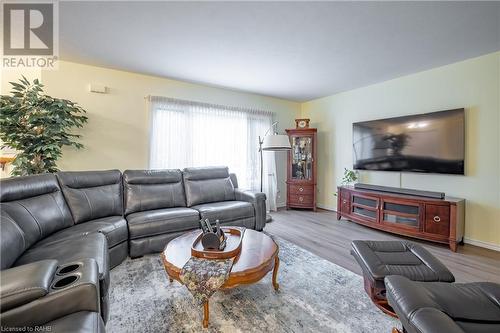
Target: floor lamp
x=273, y=142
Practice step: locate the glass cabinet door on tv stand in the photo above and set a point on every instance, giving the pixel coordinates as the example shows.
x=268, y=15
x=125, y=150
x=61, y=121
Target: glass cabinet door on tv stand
x=301, y=174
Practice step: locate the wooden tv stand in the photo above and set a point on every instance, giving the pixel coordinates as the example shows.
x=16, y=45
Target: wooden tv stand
x=436, y=220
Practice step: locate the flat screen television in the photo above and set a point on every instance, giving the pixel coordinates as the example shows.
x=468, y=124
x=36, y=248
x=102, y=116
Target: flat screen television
x=431, y=142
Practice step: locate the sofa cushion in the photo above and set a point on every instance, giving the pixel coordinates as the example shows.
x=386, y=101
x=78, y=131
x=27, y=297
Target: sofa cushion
x=92, y=245
x=210, y=184
x=161, y=221
x=92, y=194
x=225, y=211
x=152, y=189
x=12, y=243
x=36, y=204
x=113, y=227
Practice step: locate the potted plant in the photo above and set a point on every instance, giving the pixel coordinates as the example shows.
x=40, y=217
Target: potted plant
x=38, y=127
x=349, y=177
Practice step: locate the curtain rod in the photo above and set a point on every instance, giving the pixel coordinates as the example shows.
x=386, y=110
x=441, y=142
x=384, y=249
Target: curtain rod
x=220, y=106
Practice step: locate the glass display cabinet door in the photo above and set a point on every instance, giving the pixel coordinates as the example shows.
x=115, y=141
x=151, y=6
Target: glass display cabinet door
x=401, y=214
x=302, y=157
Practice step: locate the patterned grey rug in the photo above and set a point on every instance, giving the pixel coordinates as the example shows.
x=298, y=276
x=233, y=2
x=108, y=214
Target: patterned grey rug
x=315, y=296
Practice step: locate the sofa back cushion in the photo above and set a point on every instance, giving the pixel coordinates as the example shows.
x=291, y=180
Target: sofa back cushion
x=13, y=241
x=152, y=189
x=209, y=184
x=92, y=194
x=36, y=205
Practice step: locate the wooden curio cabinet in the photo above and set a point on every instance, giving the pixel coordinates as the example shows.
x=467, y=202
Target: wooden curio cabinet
x=301, y=169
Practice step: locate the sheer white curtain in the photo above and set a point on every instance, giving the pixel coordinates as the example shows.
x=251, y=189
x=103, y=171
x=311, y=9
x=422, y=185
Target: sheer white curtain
x=185, y=134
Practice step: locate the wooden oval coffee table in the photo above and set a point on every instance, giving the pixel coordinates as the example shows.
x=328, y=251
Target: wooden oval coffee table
x=258, y=256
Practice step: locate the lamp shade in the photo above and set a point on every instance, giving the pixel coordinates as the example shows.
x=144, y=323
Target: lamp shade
x=276, y=142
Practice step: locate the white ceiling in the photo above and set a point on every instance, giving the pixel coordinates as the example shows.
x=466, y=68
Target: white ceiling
x=293, y=50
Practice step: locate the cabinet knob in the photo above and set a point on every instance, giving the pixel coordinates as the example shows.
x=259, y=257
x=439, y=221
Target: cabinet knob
x=301, y=199
x=437, y=219
x=301, y=189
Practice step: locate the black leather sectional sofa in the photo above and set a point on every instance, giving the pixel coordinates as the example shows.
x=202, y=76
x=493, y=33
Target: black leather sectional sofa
x=62, y=233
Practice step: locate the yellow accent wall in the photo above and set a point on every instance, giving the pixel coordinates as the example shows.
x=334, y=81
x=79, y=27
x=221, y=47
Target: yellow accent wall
x=117, y=133
x=473, y=84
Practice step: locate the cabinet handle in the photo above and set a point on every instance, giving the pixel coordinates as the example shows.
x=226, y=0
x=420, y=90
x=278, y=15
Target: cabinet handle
x=301, y=189
x=301, y=199
x=437, y=219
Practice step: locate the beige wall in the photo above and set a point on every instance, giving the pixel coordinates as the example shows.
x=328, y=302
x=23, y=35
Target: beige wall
x=472, y=84
x=117, y=133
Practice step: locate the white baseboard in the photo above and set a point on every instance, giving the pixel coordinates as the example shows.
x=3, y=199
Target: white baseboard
x=486, y=245
x=331, y=208
x=283, y=204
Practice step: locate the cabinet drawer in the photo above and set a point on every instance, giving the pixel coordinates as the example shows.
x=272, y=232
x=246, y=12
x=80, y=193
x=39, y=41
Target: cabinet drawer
x=437, y=220
x=301, y=189
x=301, y=199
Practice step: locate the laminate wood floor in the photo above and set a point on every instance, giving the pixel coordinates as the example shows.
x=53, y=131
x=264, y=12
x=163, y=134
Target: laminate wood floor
x=322, y=234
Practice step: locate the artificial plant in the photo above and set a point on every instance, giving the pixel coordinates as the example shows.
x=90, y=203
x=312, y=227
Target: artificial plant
x=38, y=127
x=349, y=177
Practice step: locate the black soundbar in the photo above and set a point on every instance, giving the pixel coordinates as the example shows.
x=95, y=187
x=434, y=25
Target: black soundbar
x=408, y=191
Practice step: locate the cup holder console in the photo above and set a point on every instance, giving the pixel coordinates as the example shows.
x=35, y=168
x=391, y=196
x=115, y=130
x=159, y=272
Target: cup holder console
x=73, y=279
x=68, y=269
x=65, y=281
x=67, y=275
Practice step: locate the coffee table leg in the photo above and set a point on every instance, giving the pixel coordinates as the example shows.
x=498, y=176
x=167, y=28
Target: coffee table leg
x=275, y=272
x=205, y=314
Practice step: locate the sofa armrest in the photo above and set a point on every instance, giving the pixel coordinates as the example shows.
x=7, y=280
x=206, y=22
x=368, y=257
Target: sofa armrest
x=431, y=320
x=68, y=297
x=258, y=200
x=26, y=283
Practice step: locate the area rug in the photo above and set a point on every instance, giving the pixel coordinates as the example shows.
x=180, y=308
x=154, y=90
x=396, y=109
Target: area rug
x=315, y=296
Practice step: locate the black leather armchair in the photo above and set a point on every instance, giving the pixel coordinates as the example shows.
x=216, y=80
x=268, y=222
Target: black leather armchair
x=437, y=307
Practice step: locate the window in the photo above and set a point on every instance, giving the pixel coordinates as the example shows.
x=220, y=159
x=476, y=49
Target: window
x=185, y=134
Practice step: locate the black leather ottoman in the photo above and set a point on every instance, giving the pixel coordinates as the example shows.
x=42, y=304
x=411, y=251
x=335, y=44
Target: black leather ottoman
x=379, y=259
